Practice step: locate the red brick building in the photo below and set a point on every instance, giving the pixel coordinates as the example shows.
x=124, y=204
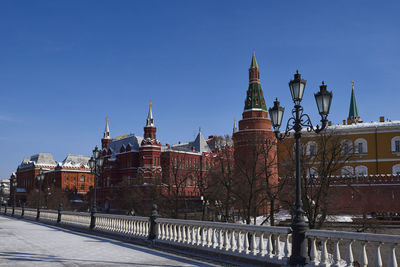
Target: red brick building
x=70, y=174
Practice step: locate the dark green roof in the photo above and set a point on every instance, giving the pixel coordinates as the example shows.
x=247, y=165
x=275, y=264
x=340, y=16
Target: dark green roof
x=353, y=112
x=255, y=98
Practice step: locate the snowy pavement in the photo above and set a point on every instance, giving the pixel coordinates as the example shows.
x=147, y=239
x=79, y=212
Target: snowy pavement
x=25, y=243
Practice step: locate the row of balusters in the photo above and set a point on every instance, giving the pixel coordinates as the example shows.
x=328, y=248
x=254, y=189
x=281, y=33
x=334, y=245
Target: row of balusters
x=76, y=220
x=123, y=226
x=236, y=241
x=323, y=259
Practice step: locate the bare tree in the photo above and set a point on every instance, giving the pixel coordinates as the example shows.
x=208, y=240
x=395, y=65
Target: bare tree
x=323, y=157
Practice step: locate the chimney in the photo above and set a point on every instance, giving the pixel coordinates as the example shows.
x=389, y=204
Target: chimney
x=381, y=119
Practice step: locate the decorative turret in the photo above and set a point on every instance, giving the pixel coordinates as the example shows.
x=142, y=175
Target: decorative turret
x=150, y=128
x=254, y=97
x=106, y=137
x=353, y=111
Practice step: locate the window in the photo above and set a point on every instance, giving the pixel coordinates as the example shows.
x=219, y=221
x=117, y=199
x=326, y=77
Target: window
x=396, y=144
x=311, y=149
x=312, y=172
x=82, y=187
x=396, y=169
x=360, y=146
x=361, y=171
x=347, y=171
x=82, y=178
x=346, y=147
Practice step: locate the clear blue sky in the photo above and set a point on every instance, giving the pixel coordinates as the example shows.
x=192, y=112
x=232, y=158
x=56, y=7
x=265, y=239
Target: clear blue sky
x=66, y=65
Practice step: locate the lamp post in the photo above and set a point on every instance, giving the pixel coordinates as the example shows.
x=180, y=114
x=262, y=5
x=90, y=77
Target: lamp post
x=13, y=181
x=40, y=179
x=296, y=123
x=95, y=164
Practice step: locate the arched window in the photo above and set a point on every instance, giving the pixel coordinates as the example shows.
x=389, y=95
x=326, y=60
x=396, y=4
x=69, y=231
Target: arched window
x=396, y=169
x=347, y=171
x=346, y=147
x=396, y=144
x=361, y=146
x=311, y=149
x=312, y=172
x=361, y=171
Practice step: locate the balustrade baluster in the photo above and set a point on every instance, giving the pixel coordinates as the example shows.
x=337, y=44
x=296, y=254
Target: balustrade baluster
x=278, y=247
x=226, y=241
x=246, y=242
x=314, y=252
x=209, y=237
x=262, y=246
x=378, y=258
x=364, y=257
x=198, y=236
x=193, y=235
x=392, y=256
x=184, y=238
x=203, y=237
x=171, y=232
x=240, y=242
x=253, y=244
x=349, y=254
x=215, y=242
x=233, y=241
x=287, y=250
x=179, y=233
x=336, y=254
x=221, y=239
x=324, y=253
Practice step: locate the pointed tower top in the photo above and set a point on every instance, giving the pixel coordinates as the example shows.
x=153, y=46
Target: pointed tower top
x=200, y=144
x=353, y=111
x=150, y=120
x=254, y=61
x=234, y=125
x=107, y=130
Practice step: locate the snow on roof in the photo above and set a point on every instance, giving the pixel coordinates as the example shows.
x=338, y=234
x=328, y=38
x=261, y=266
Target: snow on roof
x=75, y=161
x=132, y=140
x=41, y=159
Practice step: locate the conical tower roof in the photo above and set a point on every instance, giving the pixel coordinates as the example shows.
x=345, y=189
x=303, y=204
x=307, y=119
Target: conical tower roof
x=254, y=97
x=150, y=119
x=107, y=130
x=353, y=110
x=254, y=61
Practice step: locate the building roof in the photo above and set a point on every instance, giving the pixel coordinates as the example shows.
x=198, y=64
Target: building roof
x=41, y=159
x=132, y=140
x=75, y=161
x=200, y=144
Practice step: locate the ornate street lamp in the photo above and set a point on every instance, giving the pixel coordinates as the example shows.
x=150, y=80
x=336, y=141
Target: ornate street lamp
x=296, y=123
x=13, y=182
x=95, y=164
x=40, y=179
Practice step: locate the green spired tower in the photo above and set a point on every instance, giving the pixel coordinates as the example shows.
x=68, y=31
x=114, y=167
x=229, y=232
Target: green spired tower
x=254, y=98
x=353, y=111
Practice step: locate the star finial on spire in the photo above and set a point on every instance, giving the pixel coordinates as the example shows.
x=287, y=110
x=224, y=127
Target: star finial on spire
x=107, y=119
x=150, y=103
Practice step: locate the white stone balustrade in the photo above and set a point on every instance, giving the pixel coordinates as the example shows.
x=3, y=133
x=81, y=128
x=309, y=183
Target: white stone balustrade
x=243, y=241
x=348, y=240
x=75, y=219
x=30, y=213
x=128, y=226
x=49, y=215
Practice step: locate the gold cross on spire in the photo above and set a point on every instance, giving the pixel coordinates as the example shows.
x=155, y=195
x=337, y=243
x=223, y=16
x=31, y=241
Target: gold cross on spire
x=150, y=103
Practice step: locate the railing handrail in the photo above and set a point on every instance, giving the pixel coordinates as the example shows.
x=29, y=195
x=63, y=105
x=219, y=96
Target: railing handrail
x=383, y=238
x=231, y=226
x=126, y=217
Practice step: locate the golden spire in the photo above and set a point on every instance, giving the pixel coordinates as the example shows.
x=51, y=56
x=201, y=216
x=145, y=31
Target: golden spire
x=150, y=103
x=107, y=119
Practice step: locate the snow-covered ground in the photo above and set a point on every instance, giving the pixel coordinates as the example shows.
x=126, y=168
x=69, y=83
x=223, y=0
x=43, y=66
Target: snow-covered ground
x=24, y=243
x=284, y=215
